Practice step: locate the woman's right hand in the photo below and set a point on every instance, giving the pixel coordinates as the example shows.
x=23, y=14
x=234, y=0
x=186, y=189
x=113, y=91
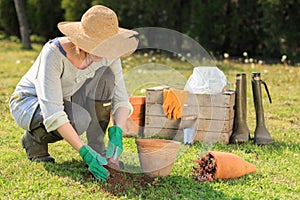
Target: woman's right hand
x=95, y=162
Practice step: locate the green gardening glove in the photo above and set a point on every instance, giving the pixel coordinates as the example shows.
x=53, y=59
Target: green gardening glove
x=95, y=162
x=115, y=142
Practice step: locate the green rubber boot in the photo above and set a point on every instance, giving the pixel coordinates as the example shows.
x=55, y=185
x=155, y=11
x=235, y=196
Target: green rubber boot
x=35, y=143
x=261, y=134
x=241, y=131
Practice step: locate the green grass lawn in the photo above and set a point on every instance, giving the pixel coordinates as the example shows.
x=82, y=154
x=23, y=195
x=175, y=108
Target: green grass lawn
x=277, y=175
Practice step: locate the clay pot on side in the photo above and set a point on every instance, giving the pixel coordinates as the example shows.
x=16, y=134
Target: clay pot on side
x=157, y=156
x=229, y=165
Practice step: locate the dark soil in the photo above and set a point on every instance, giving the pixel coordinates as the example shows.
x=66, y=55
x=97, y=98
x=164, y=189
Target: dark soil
x=206, y=169
x=119, y=182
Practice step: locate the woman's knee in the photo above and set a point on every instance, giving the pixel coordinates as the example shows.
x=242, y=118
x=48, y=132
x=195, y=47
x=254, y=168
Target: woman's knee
x=78, y=116
x=101, y=88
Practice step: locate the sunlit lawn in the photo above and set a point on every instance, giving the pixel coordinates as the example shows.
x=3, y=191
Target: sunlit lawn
x=277, y=175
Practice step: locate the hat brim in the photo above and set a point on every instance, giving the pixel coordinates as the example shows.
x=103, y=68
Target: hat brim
x=122, y=44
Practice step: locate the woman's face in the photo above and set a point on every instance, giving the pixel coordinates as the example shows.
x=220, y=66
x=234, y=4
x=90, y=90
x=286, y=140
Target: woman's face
x=89, y=59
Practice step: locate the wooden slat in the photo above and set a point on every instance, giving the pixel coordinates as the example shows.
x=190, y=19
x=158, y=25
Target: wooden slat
x=201, y=136
x=158, y=88
x=161, y=122
x=215, y=100
x=202, y=124
x=215, y=125
x=218, y=113
x=212, y=137
x=155, y=94
x=218, y=100
x=161, y=132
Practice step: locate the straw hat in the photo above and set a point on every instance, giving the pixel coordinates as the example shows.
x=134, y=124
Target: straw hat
x=99, y=33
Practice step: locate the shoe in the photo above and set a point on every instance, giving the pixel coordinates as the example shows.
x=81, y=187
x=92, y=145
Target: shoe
x=36, y=151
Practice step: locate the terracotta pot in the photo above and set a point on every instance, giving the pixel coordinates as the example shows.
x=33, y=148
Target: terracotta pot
x=135, y=124
x=157, y=156
x=138, y=104
x=229, y=165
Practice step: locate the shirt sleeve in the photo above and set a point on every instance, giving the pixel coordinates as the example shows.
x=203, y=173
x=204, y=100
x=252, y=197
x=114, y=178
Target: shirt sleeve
x=120, y=97
x=49, y=89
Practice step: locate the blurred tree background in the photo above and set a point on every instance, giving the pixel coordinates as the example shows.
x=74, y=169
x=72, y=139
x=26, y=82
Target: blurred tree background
x=263, y=28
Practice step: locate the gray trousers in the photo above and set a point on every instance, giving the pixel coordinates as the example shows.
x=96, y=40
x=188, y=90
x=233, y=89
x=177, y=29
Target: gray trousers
x=82, y=111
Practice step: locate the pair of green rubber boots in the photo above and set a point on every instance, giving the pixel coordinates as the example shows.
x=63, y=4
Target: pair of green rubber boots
x=241, y=131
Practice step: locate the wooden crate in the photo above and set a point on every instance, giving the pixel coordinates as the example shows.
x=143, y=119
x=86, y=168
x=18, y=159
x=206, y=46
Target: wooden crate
x=210, y=115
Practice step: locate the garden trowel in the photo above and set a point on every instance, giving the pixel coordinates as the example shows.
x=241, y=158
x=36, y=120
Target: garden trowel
x=113, y=162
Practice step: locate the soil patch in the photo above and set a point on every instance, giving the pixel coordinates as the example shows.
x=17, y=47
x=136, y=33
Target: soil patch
x=119, y=182
x=206, y=169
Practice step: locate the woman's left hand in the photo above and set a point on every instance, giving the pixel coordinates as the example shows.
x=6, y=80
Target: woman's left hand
x=115, y=144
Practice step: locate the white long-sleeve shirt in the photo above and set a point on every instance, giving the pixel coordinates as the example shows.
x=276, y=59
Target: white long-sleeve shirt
x=52, y=79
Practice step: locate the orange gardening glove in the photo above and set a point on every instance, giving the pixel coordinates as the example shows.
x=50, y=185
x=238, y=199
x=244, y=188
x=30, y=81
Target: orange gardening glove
x=181, y=96
x=174, y=102
x=168, y=104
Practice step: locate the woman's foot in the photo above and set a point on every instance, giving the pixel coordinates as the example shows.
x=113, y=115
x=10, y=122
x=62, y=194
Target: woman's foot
x=36, y=151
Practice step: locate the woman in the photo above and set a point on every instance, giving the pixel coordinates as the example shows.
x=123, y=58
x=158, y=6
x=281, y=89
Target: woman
x=73, y=86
